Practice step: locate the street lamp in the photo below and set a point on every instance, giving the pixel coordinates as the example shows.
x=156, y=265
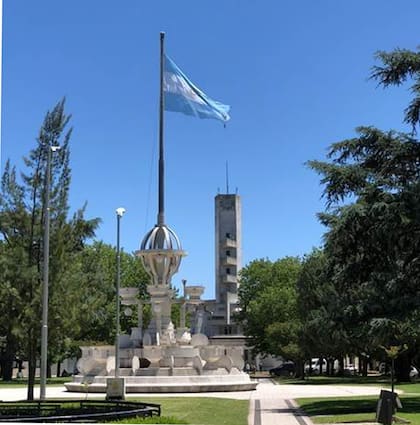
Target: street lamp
x=44, y=329
x=120, y=212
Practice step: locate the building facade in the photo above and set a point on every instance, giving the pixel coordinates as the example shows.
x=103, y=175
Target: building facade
x=228, y=262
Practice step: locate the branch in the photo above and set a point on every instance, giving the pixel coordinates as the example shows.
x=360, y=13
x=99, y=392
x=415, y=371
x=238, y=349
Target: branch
x=412, y=112
x=399, y=65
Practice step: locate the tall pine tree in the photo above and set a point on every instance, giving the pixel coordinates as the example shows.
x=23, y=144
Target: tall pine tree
x=22, y=207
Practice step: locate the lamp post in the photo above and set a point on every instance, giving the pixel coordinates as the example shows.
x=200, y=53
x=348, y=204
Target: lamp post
x=183, y=306
x=45, y=283
x=120, y=212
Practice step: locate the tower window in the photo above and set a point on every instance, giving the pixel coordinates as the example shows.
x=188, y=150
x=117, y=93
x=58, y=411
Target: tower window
x=227, y=253
x=227, y=270
x=228, y=235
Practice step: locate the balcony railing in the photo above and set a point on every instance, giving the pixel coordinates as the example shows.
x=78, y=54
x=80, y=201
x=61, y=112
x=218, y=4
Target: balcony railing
x=229, y=243
x=229, y=278
x=229, y=261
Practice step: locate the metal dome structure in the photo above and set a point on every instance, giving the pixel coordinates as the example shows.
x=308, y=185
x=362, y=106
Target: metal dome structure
x=161, y=254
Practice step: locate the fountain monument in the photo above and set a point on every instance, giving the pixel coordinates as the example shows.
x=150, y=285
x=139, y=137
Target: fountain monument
x=161, y=358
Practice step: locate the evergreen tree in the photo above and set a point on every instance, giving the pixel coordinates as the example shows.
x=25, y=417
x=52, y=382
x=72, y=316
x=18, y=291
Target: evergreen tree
x=397, y=67
x=372, y=191
x=372, y=188
x=22, y=207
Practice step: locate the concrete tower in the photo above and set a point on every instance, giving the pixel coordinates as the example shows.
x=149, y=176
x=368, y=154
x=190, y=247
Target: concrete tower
x=228, y=260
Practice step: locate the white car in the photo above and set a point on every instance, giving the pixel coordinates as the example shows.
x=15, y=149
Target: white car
x=350, y=369
x=414, y=373
x=315, y=366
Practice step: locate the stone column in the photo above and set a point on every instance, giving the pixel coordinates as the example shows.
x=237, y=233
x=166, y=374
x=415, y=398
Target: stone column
x=158, y=314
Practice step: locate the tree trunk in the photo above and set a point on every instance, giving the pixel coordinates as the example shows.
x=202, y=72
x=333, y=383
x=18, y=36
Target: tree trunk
x=300, y=369
x=7, y=369
x=330, y=366
x=58, y=368
x=7, y=360
x=340, y=371
x=31, y=366
x=365, y=366
x=402, y=368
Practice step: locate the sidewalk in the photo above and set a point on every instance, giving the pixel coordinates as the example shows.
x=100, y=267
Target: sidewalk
x=269, y=404
x=273, y=404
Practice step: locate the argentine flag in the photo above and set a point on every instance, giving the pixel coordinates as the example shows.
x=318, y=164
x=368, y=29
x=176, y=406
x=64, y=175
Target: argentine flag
x=181, y=95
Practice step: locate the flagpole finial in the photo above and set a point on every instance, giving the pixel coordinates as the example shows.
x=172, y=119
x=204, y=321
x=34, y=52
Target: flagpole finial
x=162, y=35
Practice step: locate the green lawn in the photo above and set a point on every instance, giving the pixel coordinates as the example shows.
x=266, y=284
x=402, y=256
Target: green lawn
x=24, y=382
x=413, y=388
x=155, y=420
x=215, y=411
x=194, y=410
x=355, y=409
x=202, y=410
x=190, y=410
x=379, y=381
x=337, y=380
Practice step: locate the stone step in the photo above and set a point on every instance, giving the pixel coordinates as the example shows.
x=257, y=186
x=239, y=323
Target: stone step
x=166, y=371
x=125, y=371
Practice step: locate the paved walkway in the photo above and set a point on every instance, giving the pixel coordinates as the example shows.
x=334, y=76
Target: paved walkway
x=270, y=404
x=273, y=404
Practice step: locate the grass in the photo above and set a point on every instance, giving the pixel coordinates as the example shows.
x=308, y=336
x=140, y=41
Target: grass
x=413, y=388
x=202, y=410
x=155, y=420
x=337, y=380
x=355, y=409
x=215, y=411
x=187, y=410
x=410, y=388
x=24, y=382
x=377, y=380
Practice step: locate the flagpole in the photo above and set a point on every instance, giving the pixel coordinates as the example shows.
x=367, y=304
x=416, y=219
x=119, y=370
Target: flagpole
x=161, y=213
x=1, y=61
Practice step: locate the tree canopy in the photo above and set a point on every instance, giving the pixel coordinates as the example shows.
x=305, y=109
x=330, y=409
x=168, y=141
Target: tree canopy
x=372, y=191
x=361, y=291
x=268, y=310
x=396, y=68
x=22, y=207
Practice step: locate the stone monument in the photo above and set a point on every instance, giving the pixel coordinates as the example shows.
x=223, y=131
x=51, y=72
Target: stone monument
x=162, y=358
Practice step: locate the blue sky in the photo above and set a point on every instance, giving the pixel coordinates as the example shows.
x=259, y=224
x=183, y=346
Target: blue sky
x=294, y=72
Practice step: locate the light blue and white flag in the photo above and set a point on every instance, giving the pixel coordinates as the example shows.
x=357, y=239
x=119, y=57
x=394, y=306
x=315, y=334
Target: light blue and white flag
x=181, y=95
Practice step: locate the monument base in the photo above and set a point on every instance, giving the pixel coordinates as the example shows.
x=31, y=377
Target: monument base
x=177, y=383
x=115, y=388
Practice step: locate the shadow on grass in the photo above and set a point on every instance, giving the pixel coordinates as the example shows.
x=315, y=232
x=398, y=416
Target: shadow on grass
x=339, y=406
x=343, y=406
x=410, y=404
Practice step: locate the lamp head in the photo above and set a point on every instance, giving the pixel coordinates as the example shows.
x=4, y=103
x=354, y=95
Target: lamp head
x=120, y=211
